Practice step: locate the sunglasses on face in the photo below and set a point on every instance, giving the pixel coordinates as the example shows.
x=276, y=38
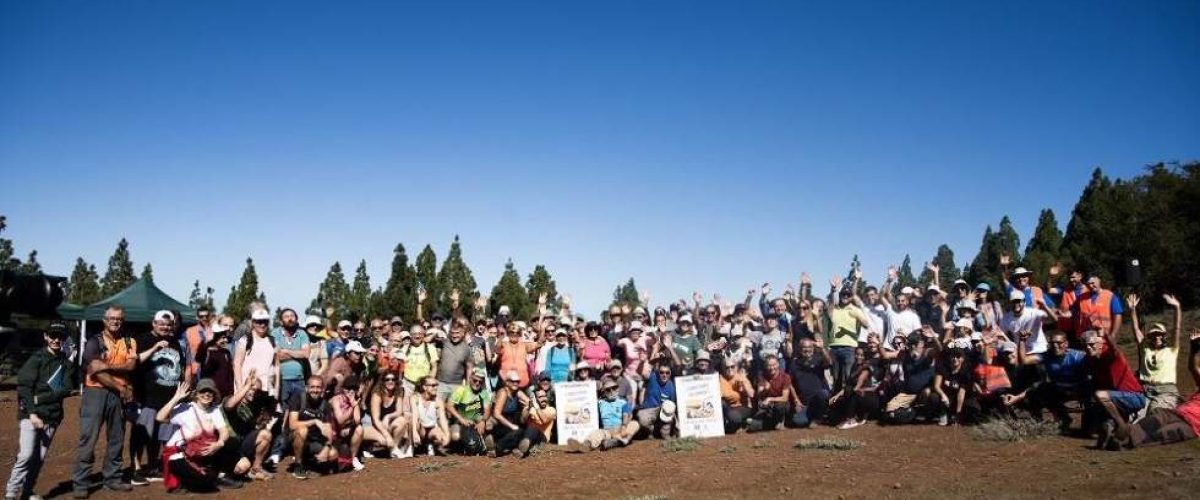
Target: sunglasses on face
x=261, y=321
x=389, y=379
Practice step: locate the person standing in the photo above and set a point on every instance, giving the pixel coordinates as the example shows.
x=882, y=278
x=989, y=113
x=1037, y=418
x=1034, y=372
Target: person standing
x=196, y=338
x=161, y=368
x=291, y=349
x=45, y=379
x=108, y=359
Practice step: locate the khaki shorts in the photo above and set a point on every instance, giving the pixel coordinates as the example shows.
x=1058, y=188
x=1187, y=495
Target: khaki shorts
x=900, y=401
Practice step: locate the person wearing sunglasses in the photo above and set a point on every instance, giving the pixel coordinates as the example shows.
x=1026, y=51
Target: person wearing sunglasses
x=469, y=411
x=659, y=388
x=1063, y=381
x=387, y=424
x=196, y=337
x=1157, y=358
x=1117, y=395
x=43, y=382
x=430, y=427
x=617, y=426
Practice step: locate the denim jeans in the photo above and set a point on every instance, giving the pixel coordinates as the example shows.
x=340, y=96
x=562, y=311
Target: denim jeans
x=286, y=389
x=31, y=455
x=843, y=363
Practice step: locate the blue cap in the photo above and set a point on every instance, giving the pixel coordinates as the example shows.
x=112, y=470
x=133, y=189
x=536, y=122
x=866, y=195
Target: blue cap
x=984, y=286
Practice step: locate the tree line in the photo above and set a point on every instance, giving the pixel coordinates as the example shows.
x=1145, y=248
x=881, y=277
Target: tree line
x=1153, y=219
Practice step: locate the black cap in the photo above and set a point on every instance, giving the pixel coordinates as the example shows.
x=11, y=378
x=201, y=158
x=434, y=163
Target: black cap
x=57, y=329
x=438, y=317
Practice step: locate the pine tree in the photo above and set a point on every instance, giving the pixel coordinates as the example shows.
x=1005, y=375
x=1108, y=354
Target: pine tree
x=1008, y=242
x=627, y=295
x=849, y=279
x=426, y=268
x=333, y=293
x=986, y=265
x=1042, y=251
x=377, y=305
x=904, y=276
x=360, y=292
x=200, y=298
x=948, y=272
x=400, y=293
x=1097, y=239
x=148, y=273
x=120, y=270
x=84, y=285
x=31, y=266
x=7, y=261
x=509, y=292
x=539, y=282
x=456, y=275
x=246, y=291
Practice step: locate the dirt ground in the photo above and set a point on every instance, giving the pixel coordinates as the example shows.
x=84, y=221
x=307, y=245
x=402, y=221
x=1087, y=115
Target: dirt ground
x=893, y=462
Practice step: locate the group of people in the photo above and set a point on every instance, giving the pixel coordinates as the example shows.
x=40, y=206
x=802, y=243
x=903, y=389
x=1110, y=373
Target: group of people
x=221, y=402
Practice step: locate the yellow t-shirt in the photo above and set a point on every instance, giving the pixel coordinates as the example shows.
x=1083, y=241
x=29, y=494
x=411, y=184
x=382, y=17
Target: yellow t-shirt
x=419, y=362
x=845, y=328
x=1158, y=365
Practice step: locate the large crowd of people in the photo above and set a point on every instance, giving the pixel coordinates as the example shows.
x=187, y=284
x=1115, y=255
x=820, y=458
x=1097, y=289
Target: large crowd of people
x=220, y=403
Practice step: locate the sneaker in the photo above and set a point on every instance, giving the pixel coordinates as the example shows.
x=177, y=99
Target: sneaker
x=118, y=486
x=850, y=424
x=944, y=420
x=396, y=453
x=430, y=448
x=273, y=460
x=489, y=442
x=522, y=448
x=406, y=450
x=367, y=454
x=138, y=479
x=228, y=483
x=299, y=472
x=609, y=444
x=357, y=465
x=753, y=425
x=153, y=476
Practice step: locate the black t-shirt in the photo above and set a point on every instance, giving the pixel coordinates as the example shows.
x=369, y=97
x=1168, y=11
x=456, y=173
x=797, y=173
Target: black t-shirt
x=255, y=410
x=307, y=408
x=808, y=375
x=160, y=374
x=952, y=382
x=918, y=374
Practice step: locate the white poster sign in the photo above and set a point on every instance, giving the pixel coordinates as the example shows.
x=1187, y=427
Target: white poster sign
x=576, y=405
x=699, y=406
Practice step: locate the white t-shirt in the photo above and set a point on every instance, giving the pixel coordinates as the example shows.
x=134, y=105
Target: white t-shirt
x=905, y=321
x=1030, y=319
x=188, y=419
x=877, y=317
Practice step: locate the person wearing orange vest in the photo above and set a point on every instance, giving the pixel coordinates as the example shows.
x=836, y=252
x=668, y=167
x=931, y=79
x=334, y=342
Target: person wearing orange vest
x=1021, y=282
x=1098, y=309
x=196, y=337
x=1067, y=296
x=109, y=359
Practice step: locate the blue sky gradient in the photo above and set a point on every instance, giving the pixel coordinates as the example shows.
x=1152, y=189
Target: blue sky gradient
x=691, y=145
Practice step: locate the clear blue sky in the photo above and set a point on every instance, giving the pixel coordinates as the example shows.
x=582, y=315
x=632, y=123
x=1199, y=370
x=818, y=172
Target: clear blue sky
x=691, y=145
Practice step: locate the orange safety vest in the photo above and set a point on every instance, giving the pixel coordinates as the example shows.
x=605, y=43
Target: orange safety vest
x=1095, y=314
x=115, y=352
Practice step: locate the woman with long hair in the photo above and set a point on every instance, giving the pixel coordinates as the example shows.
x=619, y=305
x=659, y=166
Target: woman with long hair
x=387, y=422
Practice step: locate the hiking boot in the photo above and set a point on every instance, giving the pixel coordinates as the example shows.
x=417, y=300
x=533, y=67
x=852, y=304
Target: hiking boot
x=228, y=483
x=299, y=472
x=118, y=486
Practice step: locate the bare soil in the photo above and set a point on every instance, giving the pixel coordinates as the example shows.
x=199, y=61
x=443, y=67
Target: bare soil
x=893, y=462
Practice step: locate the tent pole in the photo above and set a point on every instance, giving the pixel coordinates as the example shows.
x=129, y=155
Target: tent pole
x=82, y=339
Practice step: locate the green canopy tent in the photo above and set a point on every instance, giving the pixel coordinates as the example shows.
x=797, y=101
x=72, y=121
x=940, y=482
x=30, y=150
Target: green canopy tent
x=141, y=300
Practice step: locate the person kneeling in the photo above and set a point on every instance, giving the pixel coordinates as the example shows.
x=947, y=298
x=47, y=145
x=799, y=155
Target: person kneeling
x=192, y=458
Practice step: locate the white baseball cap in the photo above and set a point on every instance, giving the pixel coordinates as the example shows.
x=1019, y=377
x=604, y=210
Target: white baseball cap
x=312, y=320
x=261, y=315
x=164, y=315
x=355, y=346
x=1016, y=295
